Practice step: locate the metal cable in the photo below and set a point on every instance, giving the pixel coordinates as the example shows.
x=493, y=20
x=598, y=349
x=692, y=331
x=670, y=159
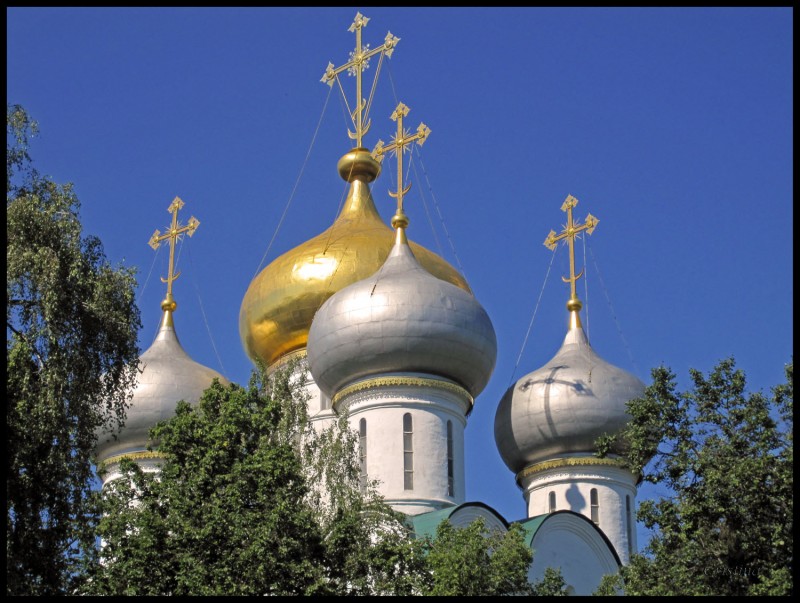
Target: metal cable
x=535, y=310
x=297, y=182
x=205, y=319
x=613, y=314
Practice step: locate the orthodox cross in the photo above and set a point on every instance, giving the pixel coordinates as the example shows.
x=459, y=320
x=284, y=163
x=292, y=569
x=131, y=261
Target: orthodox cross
x=173, y=233
x=570, y=232
x=398, y=146
x=359, y=61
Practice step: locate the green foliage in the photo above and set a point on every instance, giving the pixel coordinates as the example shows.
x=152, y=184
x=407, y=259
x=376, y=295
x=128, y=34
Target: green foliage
x=726, y=456
x=251, y=500
x=552, y=584
x=71, y=353
x=462, y=564
x=610, y=586
x=371, y=552
x=19, y=128
x=235, y=511
x=222, y=518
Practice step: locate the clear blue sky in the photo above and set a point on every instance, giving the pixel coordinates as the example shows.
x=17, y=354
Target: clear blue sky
x=673, y=126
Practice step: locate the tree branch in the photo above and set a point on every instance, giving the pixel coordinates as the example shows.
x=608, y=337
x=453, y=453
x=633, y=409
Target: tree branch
x=25, y=339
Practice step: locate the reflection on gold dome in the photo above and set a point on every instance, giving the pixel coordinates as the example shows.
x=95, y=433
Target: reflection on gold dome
x=280, y=303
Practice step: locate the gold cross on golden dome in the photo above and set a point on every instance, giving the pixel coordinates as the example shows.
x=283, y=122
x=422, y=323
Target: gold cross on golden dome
x=173, y=233
x=569, y=233
x=398, y=146
x=359, y=61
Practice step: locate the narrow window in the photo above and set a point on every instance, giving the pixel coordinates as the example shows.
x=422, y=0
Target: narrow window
x=629, y=524
x=595, y=506
x=408, y=453
x=552, y=502
x=362, y=453
x=450, y=486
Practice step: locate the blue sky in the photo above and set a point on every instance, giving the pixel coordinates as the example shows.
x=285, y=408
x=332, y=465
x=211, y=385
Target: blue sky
x=673, y=126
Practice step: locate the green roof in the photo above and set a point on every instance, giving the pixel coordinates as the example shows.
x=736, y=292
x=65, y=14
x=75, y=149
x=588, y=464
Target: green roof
x=532, y=525
x=425, y=524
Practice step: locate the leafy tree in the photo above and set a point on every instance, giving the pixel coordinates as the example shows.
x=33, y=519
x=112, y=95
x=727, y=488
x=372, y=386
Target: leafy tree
x=71, y=354
x=610, y=585
x=462, y=564
x=251, y=500
x=234, y=511
x=222, y=518
x=726, y=456
x=552, y=584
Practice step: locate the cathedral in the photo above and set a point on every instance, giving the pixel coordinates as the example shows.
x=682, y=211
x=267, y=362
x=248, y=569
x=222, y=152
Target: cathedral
x=391, y=334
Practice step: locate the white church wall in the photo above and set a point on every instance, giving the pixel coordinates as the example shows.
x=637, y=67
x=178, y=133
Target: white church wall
x=320, y=412
x=147, y=461
x=572, y=487
x=574, y=546
x=430, y=408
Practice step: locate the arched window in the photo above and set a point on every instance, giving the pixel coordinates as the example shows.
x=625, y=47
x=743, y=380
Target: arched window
x=552, y=502
x=450, y=484
x=408, y=453
x=629, y=523
x=595, y=505
x=362, y=453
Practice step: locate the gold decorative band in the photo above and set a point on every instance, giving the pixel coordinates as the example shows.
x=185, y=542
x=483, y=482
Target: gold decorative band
x=286, y=359
x=402, y=381
x=574, y=461
x=134, y=456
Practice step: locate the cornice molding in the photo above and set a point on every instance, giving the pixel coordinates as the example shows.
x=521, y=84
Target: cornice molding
x=134, y=456
x=402, y=381
x=579, y=461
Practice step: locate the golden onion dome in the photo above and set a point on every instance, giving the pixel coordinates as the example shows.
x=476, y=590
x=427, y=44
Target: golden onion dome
x=281, y=301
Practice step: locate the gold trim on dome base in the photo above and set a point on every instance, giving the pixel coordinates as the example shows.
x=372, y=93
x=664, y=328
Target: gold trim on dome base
x=286, y=359
x=568, y=462
x=134, y=456
x=397, y=380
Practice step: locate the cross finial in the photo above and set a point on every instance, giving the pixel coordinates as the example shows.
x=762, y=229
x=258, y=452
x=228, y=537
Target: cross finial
x=174, y=231
x=359, y=61
x=397, y=147
x=570, y=233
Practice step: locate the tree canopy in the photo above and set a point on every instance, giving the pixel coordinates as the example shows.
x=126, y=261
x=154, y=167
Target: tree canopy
x=252, y=500
x=462, y=564
x=71, y=354
x=725, y=456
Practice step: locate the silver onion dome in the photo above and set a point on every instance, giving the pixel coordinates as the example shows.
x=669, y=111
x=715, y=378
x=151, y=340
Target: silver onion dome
x=401, y=319
x=167, y=375
x=563, y=407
